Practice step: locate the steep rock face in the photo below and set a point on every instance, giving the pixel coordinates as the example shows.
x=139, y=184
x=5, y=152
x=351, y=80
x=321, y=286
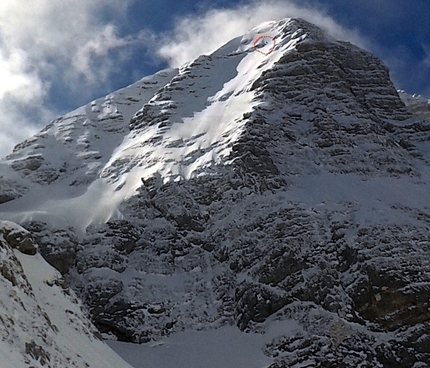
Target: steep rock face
x=334, y=107
x=351, y=285
x=42, y=322
x=252, y=190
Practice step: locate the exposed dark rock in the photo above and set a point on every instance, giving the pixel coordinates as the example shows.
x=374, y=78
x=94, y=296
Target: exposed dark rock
x=37, y=352
x=58, y=246
x=7, y=197
x=19, y=239
x=31, y=163
x=255, y=303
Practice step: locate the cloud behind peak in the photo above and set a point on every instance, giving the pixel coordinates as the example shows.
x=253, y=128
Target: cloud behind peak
x=204, y=34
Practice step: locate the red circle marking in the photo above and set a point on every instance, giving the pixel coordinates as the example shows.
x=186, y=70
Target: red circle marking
x=259, y=39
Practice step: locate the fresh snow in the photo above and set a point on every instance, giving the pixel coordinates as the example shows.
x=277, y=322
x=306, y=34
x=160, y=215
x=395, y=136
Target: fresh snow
x=36, y=309
x=226, y=347
x=72, y=338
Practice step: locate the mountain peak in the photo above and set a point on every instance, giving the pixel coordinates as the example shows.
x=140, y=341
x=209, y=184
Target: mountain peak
x=279, y=181
x=191, y=121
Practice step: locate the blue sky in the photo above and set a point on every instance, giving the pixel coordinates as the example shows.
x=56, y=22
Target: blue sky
x=397, y=31
x=58, y=55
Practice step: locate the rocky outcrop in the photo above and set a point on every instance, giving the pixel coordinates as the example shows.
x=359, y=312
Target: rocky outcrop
x=334, y=106
x=59, y=248
x=18, y=237
x=10, y=190
x=42, y=322
x=348, y=284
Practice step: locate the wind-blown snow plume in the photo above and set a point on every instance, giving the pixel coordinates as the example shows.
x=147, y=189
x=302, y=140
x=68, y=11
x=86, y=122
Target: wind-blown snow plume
x=194, y=36
x=68, y=46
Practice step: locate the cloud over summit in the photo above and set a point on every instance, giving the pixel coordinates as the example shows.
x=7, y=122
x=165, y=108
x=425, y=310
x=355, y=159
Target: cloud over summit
x=57, y=55
x=194, y=35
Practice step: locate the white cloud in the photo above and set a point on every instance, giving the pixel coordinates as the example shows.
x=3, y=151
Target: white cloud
x=41, y=40
x=96, y=50
x=16, y=82
x=19, y=90
x=17, y=123
x=203, y=34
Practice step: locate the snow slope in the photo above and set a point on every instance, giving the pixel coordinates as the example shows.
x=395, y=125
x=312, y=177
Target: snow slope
x=42, y=322
x=223, y=347
x=59, y=164
x=416, y=104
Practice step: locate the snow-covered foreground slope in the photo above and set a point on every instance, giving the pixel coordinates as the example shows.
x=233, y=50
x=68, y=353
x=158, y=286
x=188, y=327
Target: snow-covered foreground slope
x=42, y=322
x=243, y=191
x=223, y=347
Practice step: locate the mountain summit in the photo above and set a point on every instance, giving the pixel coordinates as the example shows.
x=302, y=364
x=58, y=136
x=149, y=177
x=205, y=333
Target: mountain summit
x=249, y=189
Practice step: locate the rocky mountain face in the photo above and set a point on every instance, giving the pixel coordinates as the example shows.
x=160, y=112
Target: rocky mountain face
x=244, y=189
x=417, y=105
x=42, y=322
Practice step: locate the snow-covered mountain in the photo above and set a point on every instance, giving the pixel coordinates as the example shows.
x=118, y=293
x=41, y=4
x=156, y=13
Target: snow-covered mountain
x=42, y=322
x=417, y=105
x=244, y=189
